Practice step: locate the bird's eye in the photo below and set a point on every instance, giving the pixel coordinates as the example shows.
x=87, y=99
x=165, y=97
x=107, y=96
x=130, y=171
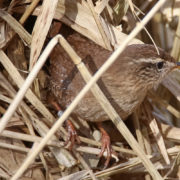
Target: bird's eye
x=160, y=65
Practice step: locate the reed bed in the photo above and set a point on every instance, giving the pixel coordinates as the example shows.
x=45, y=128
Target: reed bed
x=32, y=137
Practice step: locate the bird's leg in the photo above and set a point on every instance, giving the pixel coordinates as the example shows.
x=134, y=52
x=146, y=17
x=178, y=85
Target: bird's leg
x=72, y=133
x=106, y=144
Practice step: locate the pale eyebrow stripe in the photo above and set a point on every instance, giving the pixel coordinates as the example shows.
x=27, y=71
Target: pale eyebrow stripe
x=149, y=60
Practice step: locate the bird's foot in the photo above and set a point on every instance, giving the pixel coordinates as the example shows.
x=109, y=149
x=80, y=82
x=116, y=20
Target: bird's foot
x=72, y=135
x=106, y=146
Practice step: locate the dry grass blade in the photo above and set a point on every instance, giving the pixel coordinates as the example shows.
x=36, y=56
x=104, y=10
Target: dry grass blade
x=13, y=72
x=174, y=168
x=76, y=176
x=154, y=127
x=163, y=103
x=176, y=45
x=29, y=138
x=16, y=26
x=99, y=25
x=85, y=165
x=41, y=29
x=14, y=147
x=85, y=24
x=156, y=132
x=63, y=156
x=28, y=11
x=100, y=5
x=170, y=132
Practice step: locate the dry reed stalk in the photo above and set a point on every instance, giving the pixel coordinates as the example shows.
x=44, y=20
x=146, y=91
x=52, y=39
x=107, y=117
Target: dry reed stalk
x=34, y=72
x=54, y=143
x=85, y=165
x=173, y=172
x=156, y=132
x=41, y=29
x=141, y=139
x=138, y=129
x=76, y=175
x=85, y=24
x=29, y=138
x=16, y=26
x=17, y=78
x=165, y=104
x=100, y=6
x=28, y=11
x=42, y=129
x=99, y=25
x=170, y=132
x=134, y=165
x=14, y=147
x=176, y=45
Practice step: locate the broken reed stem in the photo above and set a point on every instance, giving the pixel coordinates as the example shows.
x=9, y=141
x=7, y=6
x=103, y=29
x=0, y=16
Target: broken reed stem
x=28, y=11
x=29, y=138
x=16, y=26
x=27, y=84
x=99, y=25
x=85, y=165
x=123, y=129
x=56, y=143
x=14, y=147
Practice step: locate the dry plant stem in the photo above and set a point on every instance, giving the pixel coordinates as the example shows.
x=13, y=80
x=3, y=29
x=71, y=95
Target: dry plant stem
x=62, y=155
x=29, y=138
x=146, y=140
x=86, y=166
x=138, y=129
x=170, y=132
x=41, y=29
x=176, y=44
x=156, y=132
x=14, y=147
x=116, y=148
x=67, y=112
x=28, y=11
x=99, y=25
x=13, y=72
x=100, y=6
x=54, y=143
x=16, y=26
x=120, y=168
x=163, y=103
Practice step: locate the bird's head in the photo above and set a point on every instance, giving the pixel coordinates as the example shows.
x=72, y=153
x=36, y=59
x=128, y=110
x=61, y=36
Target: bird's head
x=147, y=66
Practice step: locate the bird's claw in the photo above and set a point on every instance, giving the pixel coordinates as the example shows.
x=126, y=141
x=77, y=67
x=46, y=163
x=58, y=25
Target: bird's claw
x=72, y=135
x=106, y=146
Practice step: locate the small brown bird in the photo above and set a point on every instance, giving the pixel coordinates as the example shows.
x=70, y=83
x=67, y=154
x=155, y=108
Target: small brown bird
x=125, y=83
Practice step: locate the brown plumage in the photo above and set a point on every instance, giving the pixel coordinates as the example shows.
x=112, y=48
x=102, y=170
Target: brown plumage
x=125, y=83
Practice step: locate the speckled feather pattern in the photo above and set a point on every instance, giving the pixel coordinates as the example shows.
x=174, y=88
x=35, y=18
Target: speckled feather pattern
x=125, y=88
